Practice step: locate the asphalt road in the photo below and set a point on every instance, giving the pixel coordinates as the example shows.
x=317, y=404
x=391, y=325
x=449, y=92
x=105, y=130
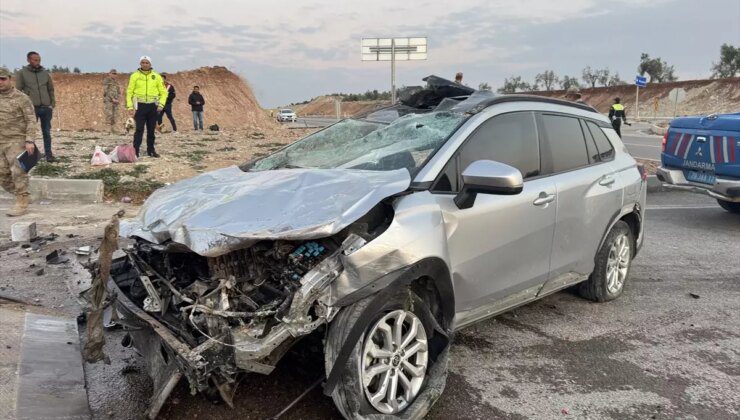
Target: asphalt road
x=641, y=144
x=667, y=348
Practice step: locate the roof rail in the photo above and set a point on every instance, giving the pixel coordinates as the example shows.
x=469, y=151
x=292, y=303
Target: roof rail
x=529, y=98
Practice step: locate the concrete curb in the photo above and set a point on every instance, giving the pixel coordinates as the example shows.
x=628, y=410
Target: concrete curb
x=60, y=189
x=654, y=184
x=657, y=130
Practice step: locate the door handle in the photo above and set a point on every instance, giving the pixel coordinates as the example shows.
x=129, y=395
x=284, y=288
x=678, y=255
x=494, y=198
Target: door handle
x=543, y=199
x=606, y=180
x=701, y=139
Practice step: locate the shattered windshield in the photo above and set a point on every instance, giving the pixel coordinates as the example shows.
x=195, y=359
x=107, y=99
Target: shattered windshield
x=354, y=144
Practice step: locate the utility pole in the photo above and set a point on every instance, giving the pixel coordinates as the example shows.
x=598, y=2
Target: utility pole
x=637, y=102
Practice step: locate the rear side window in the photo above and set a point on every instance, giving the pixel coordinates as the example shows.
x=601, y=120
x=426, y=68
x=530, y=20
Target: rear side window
x=507, y=138
x=566, y=144
x=606, y=151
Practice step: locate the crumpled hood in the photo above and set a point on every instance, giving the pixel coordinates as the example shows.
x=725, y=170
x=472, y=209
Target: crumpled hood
x=220, y=211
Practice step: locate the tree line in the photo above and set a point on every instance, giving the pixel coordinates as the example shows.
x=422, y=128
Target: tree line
x=655, y=69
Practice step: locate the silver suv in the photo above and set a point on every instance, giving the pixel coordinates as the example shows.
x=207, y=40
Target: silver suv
x=383, y=235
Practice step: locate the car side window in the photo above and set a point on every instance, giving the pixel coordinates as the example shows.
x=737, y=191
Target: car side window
x=593, y=152
x=565, y=142
x=606, y=150
x=508, y=138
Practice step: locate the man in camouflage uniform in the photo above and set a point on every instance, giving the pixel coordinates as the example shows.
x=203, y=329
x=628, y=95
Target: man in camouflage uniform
x=111, y=97
x=17, y=130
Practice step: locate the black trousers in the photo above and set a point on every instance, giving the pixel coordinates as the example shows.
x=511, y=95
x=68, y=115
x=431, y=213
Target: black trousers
x=146, y=114
x=167, y=110
x=617, y=124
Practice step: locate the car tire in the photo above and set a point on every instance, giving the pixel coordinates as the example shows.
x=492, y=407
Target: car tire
x=351, y=395
x=729, y=206
x=613, y=264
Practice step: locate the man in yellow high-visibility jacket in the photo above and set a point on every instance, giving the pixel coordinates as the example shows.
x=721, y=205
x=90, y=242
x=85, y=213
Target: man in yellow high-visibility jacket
x=617, y=114
x=146, y=96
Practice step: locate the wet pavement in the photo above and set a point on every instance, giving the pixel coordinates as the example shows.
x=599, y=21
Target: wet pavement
x=667, y=348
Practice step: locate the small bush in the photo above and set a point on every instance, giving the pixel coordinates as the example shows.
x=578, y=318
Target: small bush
x=50, y=170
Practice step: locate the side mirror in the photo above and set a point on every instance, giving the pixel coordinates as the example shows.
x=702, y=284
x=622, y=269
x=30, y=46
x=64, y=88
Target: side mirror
x=488, y=177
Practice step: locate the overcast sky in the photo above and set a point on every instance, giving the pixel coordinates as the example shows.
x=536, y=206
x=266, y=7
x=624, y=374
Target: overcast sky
x=290, y=50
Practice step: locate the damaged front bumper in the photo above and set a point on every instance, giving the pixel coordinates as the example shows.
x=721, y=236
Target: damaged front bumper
x=216, y=361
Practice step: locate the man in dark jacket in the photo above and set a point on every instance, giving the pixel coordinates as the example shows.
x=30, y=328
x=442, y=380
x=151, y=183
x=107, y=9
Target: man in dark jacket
x=196, y=102
x=35, y=81
x=167, y=106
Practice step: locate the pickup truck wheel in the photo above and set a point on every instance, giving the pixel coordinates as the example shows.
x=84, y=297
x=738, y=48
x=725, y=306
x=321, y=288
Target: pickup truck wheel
x=729, y=206
x=395, y=368
x=613, y=263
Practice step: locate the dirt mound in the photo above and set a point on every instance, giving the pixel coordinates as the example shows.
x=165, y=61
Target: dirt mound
x=702, y=97
x=230, y=102
x=324, y=106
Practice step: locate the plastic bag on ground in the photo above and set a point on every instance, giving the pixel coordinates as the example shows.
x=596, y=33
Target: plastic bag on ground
x=99, y=158
x=114, y=155
x=126, y=153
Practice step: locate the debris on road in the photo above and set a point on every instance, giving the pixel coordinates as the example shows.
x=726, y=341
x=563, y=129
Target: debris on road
x=93, y=350
x=55, y=258
x=23, y=232
x=84, y=250
x=694, y=295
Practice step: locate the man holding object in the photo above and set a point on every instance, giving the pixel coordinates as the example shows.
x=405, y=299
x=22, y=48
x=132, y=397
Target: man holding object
x=145, y=99
x=17, y=129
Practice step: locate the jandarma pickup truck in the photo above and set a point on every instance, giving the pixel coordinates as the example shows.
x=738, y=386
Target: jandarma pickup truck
x=702, y=154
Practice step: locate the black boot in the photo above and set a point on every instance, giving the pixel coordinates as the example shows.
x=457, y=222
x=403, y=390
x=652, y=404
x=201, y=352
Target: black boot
x=153, y=154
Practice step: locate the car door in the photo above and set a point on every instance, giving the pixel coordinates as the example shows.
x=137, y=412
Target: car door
x=589, y=193
x=499, y=249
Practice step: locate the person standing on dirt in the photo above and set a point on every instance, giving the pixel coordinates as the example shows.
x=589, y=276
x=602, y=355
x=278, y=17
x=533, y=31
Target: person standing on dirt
x=617, y=115
x=196, y=102
x=574, y=95
x=111, y=99
x=167, y=106
x=145, y=98
x=17, y=130
x=35, y=81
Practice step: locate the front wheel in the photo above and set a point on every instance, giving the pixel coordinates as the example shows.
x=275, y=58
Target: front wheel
x=396, y=367
x=612, y=268
x=730, y=206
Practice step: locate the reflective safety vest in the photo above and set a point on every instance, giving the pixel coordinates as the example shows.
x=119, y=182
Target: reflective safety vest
x=145, y=88
x=618, y=107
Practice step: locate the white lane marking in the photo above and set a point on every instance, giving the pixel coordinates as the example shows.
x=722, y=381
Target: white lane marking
x=682, y=207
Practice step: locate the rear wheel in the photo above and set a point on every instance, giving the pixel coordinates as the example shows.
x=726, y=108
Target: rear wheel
x=396, y=367
x=729, y=206
x=613, y=263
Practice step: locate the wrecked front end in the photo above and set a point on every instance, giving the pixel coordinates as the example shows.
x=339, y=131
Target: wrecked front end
x=210, y=319
x=242, y=306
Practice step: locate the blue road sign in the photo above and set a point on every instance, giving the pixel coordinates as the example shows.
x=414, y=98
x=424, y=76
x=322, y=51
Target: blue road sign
x=641, y=81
